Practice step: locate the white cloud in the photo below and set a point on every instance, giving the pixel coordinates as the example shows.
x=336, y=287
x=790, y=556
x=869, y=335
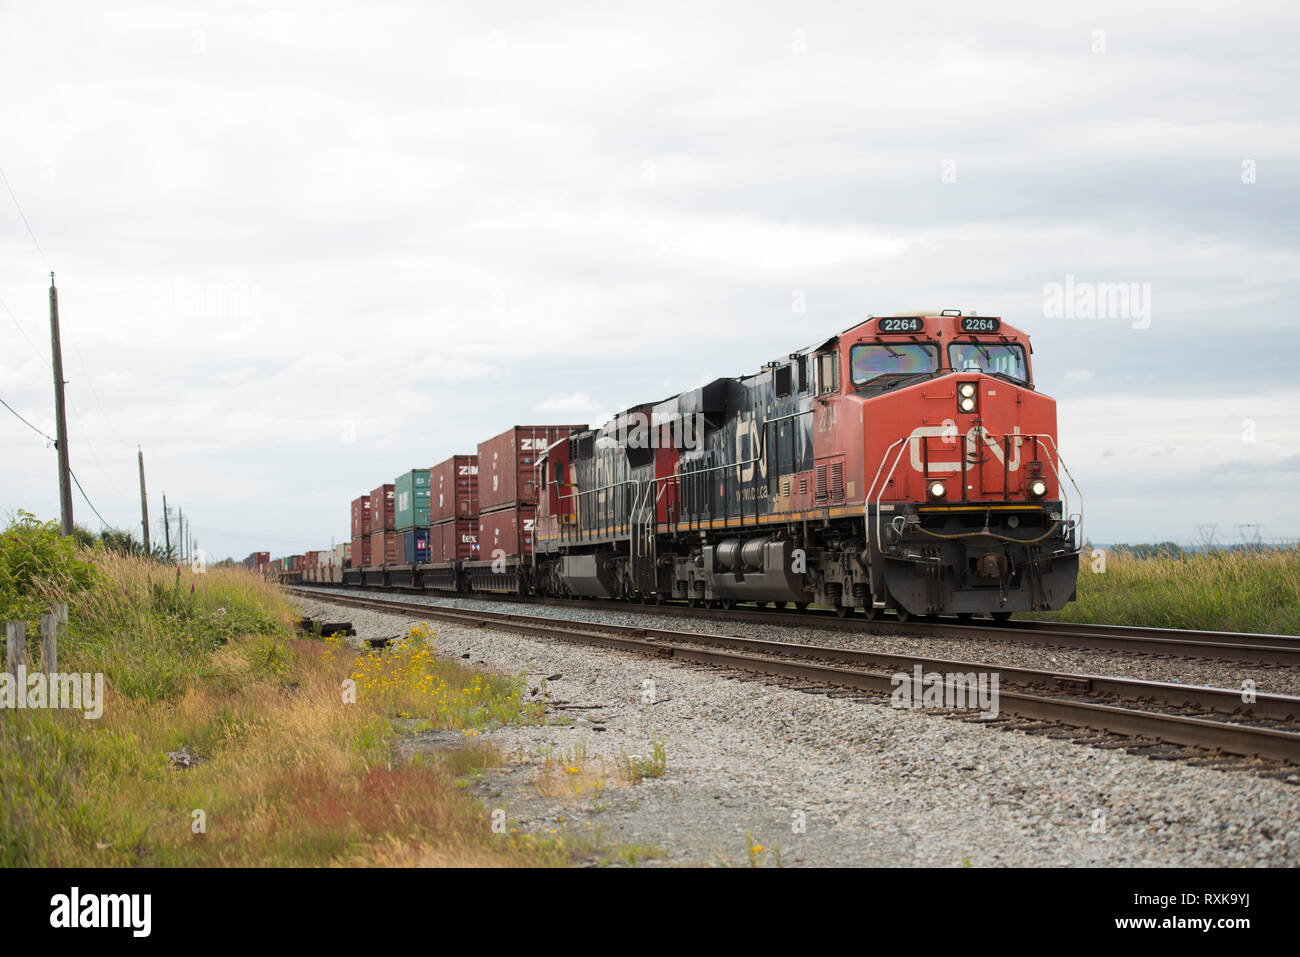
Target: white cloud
x=572, y=402
x=433, y=224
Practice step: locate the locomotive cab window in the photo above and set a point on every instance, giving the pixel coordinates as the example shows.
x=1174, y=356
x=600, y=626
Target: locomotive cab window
x=828, y=373
x=995, y=358
x=782, y=381
x=803, y=374
x=870, y=361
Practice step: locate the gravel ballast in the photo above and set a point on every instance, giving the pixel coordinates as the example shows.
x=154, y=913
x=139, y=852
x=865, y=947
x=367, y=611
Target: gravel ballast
x=1273, y=679
x=757, y=772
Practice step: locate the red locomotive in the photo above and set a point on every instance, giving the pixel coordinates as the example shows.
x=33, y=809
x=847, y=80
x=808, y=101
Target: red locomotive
x=907, y=463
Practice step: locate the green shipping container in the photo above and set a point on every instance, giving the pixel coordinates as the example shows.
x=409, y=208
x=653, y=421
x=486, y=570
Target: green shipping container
x=411, y=499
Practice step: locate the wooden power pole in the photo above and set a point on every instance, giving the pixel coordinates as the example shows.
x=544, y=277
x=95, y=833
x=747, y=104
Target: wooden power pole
x=61, y=422
x=167, y=529
x=180, y=532
x=144, y=503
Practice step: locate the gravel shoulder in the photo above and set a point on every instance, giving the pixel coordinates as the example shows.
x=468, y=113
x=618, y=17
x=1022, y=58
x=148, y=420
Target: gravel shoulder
x=760, y=773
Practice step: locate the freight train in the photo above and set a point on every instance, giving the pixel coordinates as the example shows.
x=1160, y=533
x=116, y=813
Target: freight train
x=906, y=464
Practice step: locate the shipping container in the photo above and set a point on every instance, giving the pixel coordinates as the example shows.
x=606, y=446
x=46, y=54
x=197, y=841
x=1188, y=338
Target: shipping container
x=383, y=511
x=411, y=499
x=414, y=549
x=342, y=554
x=360, y=551
x=507, y=464
x=360, y=517
x=453, y=489
x=454, y=541
x=383, y=547
x=506, y=533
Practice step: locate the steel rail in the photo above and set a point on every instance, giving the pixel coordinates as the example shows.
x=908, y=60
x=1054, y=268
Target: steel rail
x=774, y=658
x=1236, y=647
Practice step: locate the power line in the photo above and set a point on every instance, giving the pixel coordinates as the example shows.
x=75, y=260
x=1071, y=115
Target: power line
x=85, y=434
x=17, y=206
x=88, y=502
x=95, y=393
x=21, y=330
x=70, y=472
x=25, y=422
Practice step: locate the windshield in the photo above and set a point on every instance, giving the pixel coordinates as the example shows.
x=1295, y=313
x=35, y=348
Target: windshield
x=872, y=361
x=989, y=357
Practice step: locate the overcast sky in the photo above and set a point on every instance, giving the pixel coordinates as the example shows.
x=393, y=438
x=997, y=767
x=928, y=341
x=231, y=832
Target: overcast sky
x=301, y=249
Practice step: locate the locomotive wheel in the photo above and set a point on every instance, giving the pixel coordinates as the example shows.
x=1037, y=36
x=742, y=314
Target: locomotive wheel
x=800, y=605
x=870, y=611
x=727, y=604
x=1002, y=616
x=843, y=611
x=902, y=613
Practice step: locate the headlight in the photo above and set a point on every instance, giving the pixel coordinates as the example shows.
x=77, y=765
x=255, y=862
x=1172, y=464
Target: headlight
x=1037, y=488
x=936, y=490
x=967, y=397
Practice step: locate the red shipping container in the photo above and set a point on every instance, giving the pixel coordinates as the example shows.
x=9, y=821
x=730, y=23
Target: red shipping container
x=383, y=509
x=507, y=464
x=453, y=489
x=509, y=529
x=383, y=547
x=360, y=516
x=454, y=541
x=361, y=551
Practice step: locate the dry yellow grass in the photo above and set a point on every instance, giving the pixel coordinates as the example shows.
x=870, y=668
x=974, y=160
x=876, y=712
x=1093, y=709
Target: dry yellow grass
x=288, y=772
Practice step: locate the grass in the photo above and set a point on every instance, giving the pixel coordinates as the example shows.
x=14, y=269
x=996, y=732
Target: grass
x=294, y=737
x=636, y=768
x=1254, y=591
x=570, y=773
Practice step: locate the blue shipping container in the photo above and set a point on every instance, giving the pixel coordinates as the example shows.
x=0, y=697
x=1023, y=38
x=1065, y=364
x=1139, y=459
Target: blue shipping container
x=415, y=546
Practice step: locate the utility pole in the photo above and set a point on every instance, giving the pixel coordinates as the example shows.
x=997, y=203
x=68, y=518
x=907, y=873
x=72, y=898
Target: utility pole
x=180, y=534
x=167, y=529
x=61, y=422
x=144, y=503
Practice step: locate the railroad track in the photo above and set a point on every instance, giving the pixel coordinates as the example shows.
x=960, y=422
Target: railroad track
x=1232, y=647
x=1205, y=719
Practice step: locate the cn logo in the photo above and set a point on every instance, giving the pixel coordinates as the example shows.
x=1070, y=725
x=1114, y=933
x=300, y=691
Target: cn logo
x=974, y=437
